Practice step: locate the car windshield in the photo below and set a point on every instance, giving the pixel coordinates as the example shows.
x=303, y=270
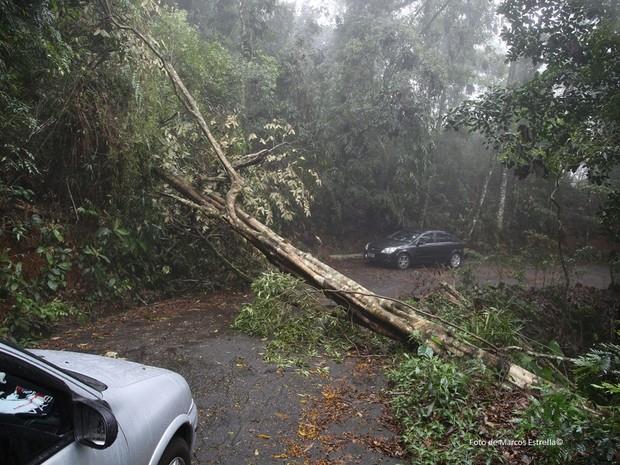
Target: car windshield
x=404, y=235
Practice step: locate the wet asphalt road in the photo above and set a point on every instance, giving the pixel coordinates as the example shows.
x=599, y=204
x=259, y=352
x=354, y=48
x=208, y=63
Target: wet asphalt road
x=251, y=412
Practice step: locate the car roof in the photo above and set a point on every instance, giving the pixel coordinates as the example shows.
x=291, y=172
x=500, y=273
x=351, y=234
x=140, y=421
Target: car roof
x=422, y=231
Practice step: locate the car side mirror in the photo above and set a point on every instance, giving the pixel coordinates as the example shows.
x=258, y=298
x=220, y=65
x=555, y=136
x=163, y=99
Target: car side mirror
x=94, y=424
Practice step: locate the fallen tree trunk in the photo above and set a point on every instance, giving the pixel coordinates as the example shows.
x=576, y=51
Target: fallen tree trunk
x=385, y=316
x=388, y=317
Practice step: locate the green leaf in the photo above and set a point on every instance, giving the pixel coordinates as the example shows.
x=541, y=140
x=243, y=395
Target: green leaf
x=555, y=348
x=65, y=266
x=103, y=232
x=425, y=351
x=58, y=235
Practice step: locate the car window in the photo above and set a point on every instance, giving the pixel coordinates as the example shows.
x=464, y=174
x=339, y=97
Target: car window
x=34, y=420
x=425, y=239
x=404, y=235
x=444, y=237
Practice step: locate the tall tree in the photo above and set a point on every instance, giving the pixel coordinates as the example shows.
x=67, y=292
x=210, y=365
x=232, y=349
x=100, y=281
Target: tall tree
x=566, y=118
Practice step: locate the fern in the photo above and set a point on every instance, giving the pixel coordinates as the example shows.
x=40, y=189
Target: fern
x=600, y=369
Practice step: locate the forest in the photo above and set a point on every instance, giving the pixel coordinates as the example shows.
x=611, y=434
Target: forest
x=239, y=154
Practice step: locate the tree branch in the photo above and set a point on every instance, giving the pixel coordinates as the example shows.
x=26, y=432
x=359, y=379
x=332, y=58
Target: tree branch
x=245, y=161
x=184, y=95
x=255, y=158
x=523, y=350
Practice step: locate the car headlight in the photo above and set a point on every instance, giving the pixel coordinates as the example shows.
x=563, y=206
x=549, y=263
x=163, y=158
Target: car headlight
x=389, y=250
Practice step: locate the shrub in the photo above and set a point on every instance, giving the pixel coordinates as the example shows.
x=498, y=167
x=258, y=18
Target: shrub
x=28, y=319
x=586, y=437
x=432, y=400
x=598, y=373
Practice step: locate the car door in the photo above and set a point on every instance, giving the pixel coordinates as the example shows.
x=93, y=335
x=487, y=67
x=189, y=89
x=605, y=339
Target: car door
x=444, y=244
x=424, y=248
x=37, y=415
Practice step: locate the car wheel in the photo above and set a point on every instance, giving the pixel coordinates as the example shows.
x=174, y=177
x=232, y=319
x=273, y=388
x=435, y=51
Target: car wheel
x=455, y=260
x=177, y=453
x=403, y=261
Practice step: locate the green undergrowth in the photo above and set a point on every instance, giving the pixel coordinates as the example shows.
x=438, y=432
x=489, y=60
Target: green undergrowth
x=297, y=325
x=30, y=319
x=456, y=412
x=435, y=405
x=535, y=320
x=581, y=410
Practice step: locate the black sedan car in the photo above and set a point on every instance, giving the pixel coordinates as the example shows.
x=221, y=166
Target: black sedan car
x=404, y=248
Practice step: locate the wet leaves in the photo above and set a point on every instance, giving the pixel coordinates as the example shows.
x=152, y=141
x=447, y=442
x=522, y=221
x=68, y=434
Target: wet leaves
x=347, y=421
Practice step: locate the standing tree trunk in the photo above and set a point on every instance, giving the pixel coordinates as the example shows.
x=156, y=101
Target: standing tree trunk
x=483, y=196
x=501, y=208
x=427, y=198
x=560, y=235
x=247, y=46
x=381, y=314
x=517, y=72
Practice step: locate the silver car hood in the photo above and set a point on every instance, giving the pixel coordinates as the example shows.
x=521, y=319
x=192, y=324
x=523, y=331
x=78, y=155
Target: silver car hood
x=114, y=373
x=149, y=403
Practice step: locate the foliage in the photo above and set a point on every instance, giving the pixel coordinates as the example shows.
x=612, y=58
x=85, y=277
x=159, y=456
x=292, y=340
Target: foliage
x=433, y=401
x=83, y=125
x=536, y=320
x=29, y=302
x=287, y=313
x=122, y=265
x=28, y=319
x=598, y=373
x=488, y=314
x=565, y=118
x=441, y=406
x=385, y=91
x=586, y=437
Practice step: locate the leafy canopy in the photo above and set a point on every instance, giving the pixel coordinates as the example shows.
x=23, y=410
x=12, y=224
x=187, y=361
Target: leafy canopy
x=568, y=115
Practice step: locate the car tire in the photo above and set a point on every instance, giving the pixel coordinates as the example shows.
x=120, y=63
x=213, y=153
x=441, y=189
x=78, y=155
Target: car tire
x=455, y=260
x=177, y=453
x=403, y=260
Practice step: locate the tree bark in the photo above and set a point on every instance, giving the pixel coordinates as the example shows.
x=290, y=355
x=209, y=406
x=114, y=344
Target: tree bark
x=386, y=316
x=501, y=208
x=560, y=236
x=515, y=75
x=483, y=196
x=427, y=197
